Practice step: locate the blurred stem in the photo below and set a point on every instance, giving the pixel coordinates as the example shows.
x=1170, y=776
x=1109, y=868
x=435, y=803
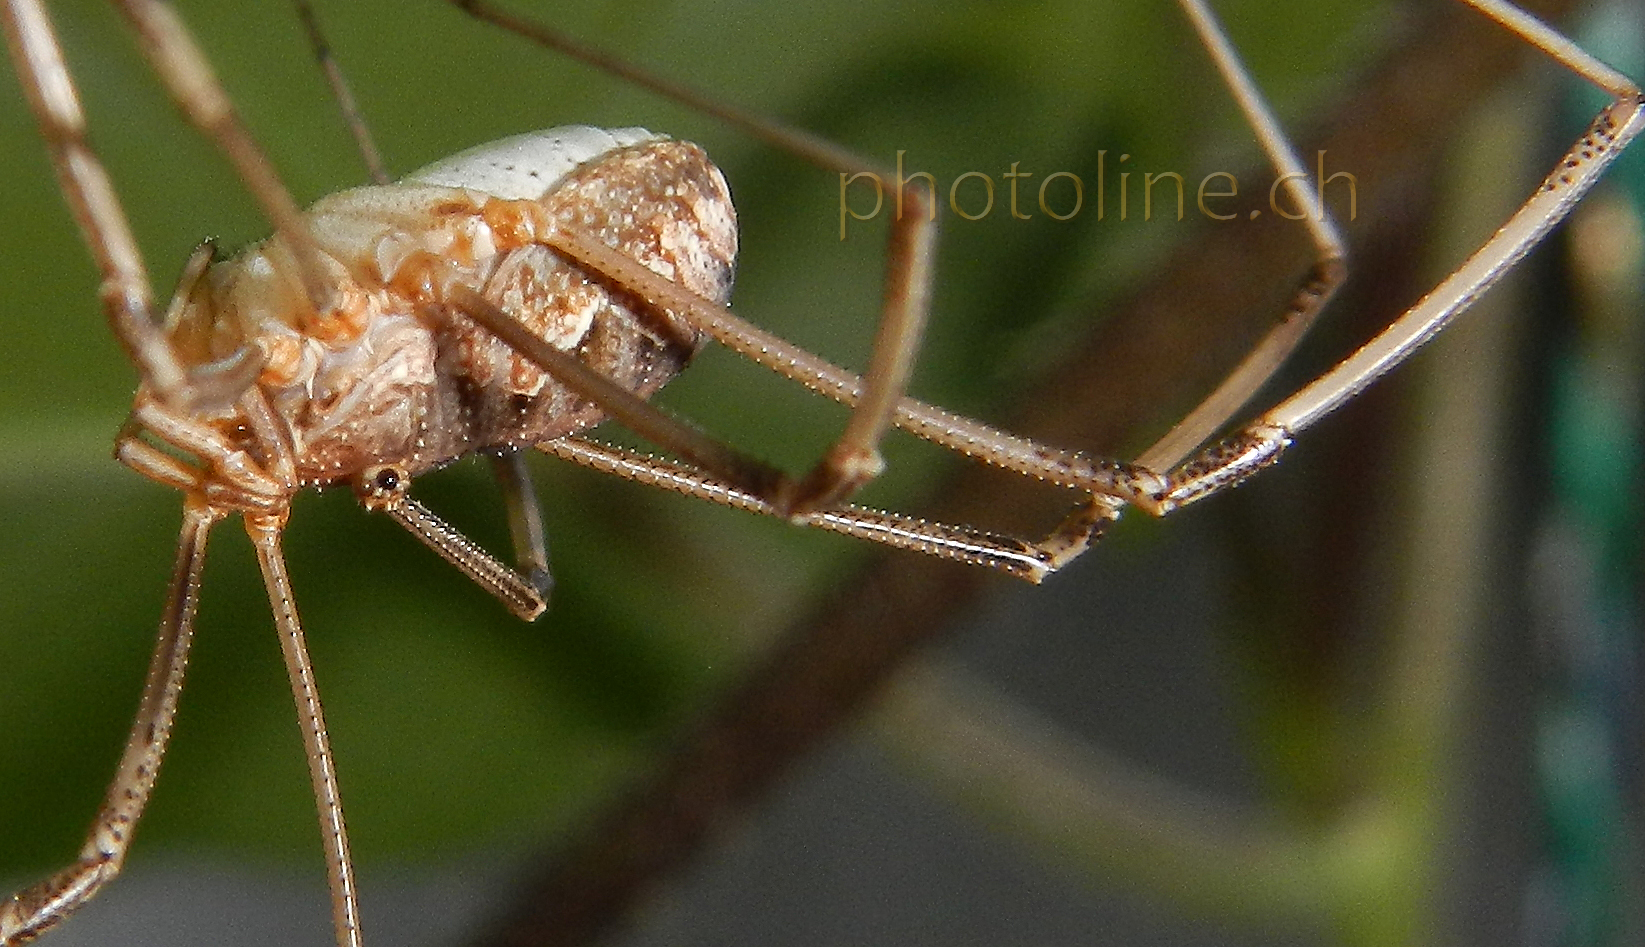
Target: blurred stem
x=1372, y=868
x=1447, y=559
x=1024, y=776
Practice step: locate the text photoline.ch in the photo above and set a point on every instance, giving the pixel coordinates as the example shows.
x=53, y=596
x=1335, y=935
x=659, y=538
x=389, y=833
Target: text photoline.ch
x=1061, y=195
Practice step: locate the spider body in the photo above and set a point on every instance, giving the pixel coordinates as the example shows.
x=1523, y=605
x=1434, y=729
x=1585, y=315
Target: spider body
x=384, y=375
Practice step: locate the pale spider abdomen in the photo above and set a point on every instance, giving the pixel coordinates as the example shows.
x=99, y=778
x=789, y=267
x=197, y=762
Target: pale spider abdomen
x=389, y=374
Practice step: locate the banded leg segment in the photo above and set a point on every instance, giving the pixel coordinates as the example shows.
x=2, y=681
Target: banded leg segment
x=386, y=490
x=33, y=910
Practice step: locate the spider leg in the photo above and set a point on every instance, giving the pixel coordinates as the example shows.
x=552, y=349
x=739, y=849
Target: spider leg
x=126, y=295
x=33, y=910
x=1025, y=559
x=187, y=74
x=1315, y=290
x=386, y=489
x=854, y=459
x=812, y=147
x=1261, y=442
x=525, y=519
x=345, y=911
x=342, y=94
x=522, y=595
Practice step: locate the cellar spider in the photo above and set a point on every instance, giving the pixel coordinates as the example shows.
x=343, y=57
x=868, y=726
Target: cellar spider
x=1122, y=486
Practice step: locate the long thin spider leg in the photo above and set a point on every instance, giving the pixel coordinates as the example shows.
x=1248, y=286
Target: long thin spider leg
x=345, y=909
x=525, y=518
x=126, y=294
x=178, y=60
x=1024, y=559
x=1260, y=443
x=1558, y=47
x=811, y=147
x=1578, y=171
x=342, y=93
x=854, y=459
x=963, y=435
x=518, y=593
x=32, y=910
x=1572, y=177
x=1317, y=286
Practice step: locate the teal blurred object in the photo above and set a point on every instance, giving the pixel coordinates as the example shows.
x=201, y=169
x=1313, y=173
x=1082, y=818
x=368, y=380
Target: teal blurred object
x=1589, y=559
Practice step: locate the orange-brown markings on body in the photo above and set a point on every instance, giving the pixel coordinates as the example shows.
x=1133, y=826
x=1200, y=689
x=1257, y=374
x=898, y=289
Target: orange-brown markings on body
x=282, y=358
x=513, y=223
x=414, y=280
x=352, y=311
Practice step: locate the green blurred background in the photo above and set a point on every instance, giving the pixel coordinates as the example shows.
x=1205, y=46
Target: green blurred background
x=458, y=730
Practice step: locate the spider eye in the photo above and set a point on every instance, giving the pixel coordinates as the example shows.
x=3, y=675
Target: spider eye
x=381, y=488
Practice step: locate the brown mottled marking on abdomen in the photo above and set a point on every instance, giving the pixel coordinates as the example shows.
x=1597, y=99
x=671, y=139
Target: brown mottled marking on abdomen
x=662, y=204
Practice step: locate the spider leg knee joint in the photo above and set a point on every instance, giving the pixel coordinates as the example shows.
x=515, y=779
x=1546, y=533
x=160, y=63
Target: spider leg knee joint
x=1225, y=465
